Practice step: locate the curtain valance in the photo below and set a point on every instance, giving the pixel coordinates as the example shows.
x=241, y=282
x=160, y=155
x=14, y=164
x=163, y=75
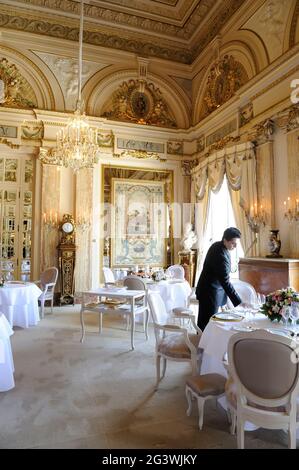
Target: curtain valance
x=237, y=162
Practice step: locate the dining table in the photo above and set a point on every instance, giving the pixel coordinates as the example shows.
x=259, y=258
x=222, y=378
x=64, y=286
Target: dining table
x=6, y=359
x=19, y=303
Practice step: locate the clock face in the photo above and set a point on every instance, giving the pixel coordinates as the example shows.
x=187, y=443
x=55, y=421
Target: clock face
x=67, y=227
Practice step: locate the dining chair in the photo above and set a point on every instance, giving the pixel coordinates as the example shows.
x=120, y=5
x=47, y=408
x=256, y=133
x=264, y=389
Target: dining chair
x=109, y=277
x=246, y=291
x=176, y=271
x=46, y=283
x=264, y=371
x=136, y=283
x=173, y=342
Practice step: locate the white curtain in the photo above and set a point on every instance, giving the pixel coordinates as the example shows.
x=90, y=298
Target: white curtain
x=239, y=164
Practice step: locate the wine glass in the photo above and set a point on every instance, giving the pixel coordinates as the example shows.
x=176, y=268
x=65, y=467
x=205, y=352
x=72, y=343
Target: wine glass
x=294, y=314
x=285, y=313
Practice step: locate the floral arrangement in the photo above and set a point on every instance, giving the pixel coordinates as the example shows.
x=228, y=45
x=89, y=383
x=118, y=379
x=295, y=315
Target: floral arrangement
x=276, y=300
x=158, y=276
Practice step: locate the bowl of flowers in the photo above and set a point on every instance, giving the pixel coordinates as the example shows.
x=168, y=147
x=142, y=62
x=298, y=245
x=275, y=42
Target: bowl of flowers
x=276, y=300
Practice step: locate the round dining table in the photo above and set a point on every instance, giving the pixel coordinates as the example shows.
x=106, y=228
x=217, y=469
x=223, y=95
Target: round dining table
x=19, y=303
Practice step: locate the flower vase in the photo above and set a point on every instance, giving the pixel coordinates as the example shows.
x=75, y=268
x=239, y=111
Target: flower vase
x=274, y=244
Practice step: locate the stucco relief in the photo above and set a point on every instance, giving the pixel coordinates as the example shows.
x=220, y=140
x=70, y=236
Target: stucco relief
x=269, y=22
x=15, y=91
x=225, y=78
x=66, y=71
x=128, y=103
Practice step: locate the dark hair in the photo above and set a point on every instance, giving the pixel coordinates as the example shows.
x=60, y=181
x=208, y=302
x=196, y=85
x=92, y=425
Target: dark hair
x=231, y=232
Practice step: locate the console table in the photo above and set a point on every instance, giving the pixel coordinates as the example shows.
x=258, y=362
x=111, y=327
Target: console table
x=269, y=274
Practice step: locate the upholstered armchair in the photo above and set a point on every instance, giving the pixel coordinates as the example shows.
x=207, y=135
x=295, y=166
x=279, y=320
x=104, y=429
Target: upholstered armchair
x=264, y=383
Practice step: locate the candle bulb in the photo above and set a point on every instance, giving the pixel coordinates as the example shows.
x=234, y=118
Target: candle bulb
x=45, y=218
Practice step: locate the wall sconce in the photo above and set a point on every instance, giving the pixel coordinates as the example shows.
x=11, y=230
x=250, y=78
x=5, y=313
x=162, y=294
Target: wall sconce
x=50, y=220
x=291, y=210
x=256, y=217
x=82, y=225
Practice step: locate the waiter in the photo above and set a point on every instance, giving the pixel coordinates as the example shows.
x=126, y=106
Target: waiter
x=214, y=285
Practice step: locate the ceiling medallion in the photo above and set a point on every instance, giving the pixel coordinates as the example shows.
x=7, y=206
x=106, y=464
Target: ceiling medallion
x=148, y=106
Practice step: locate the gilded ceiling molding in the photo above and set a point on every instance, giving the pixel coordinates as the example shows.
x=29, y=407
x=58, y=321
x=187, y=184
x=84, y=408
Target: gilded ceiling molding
x=92, y=12
x=142, y=107
x=294, y=25
x=15, y=91
x=137, y=46
x=225, y=77
x=211, y=29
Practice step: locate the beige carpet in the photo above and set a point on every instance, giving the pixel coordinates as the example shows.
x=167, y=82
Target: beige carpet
x=99, y=394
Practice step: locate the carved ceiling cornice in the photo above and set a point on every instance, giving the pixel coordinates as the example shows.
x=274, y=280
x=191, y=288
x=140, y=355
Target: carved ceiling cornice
x=134, y=32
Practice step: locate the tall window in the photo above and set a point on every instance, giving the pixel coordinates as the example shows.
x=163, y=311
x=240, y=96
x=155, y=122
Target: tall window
x=220, y=217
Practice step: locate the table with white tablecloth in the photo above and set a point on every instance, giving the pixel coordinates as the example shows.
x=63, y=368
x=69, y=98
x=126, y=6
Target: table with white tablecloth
x=215, y=338
x=6, y=359
x=216, y=335
x=174, y=292
x=19, y=303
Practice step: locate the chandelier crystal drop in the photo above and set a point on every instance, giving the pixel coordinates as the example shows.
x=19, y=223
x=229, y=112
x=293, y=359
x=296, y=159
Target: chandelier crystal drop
x=77, y=142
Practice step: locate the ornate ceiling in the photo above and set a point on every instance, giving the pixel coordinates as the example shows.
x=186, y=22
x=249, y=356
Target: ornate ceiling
x=176, y=30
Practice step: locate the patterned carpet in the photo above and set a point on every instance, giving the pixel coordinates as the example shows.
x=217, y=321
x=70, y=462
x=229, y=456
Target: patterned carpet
x=99, y=394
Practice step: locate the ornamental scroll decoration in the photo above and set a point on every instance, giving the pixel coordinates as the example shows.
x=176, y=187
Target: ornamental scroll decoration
x=129, y=103
x=225, y=78
x=15, y=91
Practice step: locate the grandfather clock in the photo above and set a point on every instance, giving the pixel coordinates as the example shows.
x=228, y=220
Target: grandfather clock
x=67, y=257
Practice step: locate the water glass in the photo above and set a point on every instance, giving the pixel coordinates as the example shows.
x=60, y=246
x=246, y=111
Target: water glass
x=294, y=314
x=285, y=313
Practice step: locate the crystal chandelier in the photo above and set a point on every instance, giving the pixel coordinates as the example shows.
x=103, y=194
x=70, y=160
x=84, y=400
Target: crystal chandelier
x=76, y=145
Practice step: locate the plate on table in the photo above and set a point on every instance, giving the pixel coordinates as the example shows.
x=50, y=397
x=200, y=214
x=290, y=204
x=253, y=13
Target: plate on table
x=224, y=316
x=15, y=283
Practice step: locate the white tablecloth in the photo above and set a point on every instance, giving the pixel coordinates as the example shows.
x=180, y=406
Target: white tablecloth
x=214, y=342
x=6, y=360
x=216, y=335
x=175, y=293
x=19, y=303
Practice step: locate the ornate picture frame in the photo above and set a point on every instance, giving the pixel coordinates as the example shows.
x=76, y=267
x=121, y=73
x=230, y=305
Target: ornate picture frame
x=139, y=223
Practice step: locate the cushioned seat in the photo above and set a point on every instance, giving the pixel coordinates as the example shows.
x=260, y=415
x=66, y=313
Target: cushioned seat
x=175, y=346
x=203, y=388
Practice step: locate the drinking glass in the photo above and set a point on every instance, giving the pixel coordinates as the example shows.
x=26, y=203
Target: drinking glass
x=285, y=313
x=294, y=314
